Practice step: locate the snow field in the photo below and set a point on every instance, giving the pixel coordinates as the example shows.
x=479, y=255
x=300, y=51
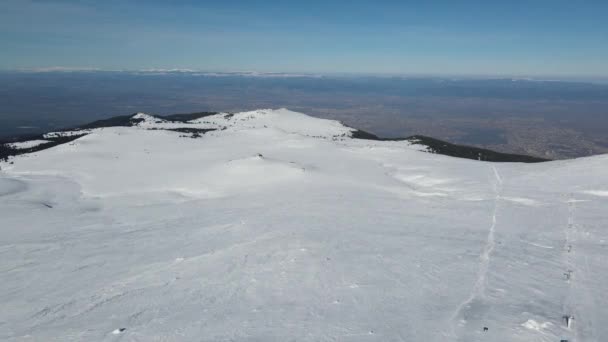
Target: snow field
x=278, y=227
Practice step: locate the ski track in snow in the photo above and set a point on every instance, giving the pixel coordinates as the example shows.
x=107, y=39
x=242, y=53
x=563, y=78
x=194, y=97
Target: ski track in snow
x=581, y=328
x=479, y=289
x=568, y=252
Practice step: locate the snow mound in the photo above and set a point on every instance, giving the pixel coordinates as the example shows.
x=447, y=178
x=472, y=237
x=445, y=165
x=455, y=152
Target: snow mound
x=600, y=193
x=534, y=325
x=282, y=120
x=146, y=118
x=10, y=186
x=521, y=200
x=240, y=174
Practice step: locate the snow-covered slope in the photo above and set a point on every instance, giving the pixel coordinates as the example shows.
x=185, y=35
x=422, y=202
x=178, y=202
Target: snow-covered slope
x=275, y=226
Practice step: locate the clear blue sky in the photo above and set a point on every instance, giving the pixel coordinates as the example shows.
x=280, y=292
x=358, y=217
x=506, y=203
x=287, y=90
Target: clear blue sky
x=508, y=37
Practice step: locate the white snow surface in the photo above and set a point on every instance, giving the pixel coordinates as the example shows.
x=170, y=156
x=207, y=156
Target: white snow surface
x=27, y=144
x=279, y=227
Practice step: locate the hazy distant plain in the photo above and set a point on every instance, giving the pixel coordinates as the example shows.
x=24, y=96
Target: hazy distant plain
x=543, y=118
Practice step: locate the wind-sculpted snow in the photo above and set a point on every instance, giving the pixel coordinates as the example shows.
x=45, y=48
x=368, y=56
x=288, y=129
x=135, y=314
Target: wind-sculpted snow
x=28, y=144
x=275, y=226
x=10, y=186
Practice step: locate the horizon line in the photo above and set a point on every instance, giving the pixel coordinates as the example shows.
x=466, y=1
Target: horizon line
x=254, y=73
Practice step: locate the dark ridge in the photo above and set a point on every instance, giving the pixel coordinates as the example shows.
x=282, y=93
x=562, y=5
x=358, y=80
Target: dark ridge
x=116, y=121
x=469, y=152
x=186, y=117
x=6, y=152
x=453, y=150
x=359, y=134
x=190, y=130
x=128, y=120
x=21, y=138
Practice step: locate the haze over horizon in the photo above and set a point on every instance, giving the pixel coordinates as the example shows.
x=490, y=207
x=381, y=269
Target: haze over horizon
x=518, y=38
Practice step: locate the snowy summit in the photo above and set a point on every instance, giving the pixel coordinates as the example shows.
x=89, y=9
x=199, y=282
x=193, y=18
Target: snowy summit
x=272, y=225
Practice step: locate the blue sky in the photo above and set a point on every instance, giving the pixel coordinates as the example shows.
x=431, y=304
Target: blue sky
x=533, y=37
